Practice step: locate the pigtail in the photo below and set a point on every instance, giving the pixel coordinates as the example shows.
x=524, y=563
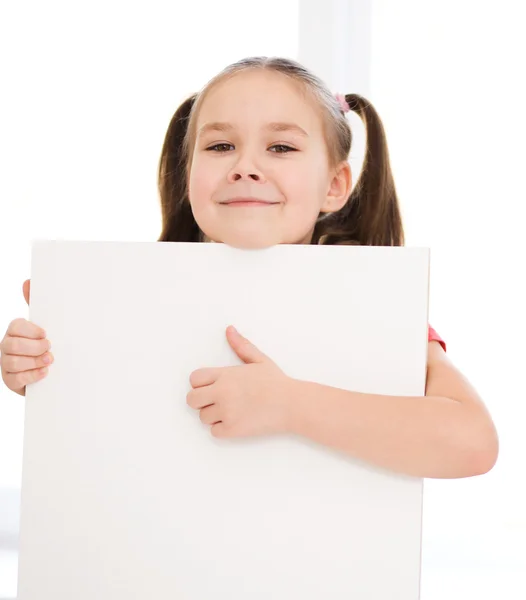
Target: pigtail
x=371, y=216
x=178, y=221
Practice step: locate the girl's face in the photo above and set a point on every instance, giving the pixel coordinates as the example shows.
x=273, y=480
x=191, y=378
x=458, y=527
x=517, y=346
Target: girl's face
x=260, y=172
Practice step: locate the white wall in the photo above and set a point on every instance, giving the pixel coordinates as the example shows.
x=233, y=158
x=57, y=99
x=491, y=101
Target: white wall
x=448, y=80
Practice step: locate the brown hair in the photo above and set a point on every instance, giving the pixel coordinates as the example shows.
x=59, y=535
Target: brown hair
x=371, y=216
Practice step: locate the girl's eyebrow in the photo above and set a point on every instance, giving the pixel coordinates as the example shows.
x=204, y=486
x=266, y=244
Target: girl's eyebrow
x=275, y=127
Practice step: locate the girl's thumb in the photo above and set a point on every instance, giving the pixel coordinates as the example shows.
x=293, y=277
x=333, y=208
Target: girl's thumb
x=26, y=289
x=246, y=351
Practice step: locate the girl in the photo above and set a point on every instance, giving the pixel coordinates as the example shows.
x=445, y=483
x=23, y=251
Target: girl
x=260, y=157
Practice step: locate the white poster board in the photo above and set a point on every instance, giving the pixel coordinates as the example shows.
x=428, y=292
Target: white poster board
x=126, y=495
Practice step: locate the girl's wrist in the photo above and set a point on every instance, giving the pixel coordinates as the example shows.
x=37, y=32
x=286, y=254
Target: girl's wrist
x=290, y=404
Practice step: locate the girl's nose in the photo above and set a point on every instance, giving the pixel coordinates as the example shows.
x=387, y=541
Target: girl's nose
x=236, y=175
x=245, y=169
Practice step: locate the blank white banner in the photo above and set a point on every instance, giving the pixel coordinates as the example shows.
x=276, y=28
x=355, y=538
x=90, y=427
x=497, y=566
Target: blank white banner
x=126, y=495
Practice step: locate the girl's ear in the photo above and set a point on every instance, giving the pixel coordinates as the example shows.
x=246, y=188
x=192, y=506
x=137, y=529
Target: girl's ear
x=339, y=188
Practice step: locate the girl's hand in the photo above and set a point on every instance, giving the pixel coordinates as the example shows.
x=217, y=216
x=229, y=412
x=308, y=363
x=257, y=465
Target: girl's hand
x=24, y=352
x=246, y=400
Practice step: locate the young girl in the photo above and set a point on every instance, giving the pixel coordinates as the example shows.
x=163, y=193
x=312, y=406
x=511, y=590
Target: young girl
x=260, y=157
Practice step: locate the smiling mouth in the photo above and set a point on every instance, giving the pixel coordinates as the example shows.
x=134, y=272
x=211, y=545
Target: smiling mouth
x=252, y=202
x=240, y=203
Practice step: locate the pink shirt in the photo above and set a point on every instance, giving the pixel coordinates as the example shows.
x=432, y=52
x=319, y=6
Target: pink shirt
x=434, y=337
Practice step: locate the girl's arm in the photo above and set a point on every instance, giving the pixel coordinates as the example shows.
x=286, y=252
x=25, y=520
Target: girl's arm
x=446, y=434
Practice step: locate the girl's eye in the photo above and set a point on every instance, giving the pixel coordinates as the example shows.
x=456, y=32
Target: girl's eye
x=220, y=148
x=225, y=147
x=282, y=149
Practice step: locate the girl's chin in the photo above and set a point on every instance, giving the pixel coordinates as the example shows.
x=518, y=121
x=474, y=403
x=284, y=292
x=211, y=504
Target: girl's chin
x=246, y=240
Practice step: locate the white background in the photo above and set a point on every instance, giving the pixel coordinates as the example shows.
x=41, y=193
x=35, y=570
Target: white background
x=88, y=91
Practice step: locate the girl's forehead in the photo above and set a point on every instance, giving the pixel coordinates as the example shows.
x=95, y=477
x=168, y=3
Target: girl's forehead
x=260, y=95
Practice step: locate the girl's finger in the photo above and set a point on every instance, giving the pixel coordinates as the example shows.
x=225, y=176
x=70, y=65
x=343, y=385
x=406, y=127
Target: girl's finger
x=210, y=415
x=203, y=377
x=199, y=398
x=25, y=329
x=20, y=380
x=219, y=430
x=18, y=364
x=20, y=346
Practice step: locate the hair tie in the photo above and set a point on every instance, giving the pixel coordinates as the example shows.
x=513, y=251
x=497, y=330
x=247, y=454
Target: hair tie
x=344, y=105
